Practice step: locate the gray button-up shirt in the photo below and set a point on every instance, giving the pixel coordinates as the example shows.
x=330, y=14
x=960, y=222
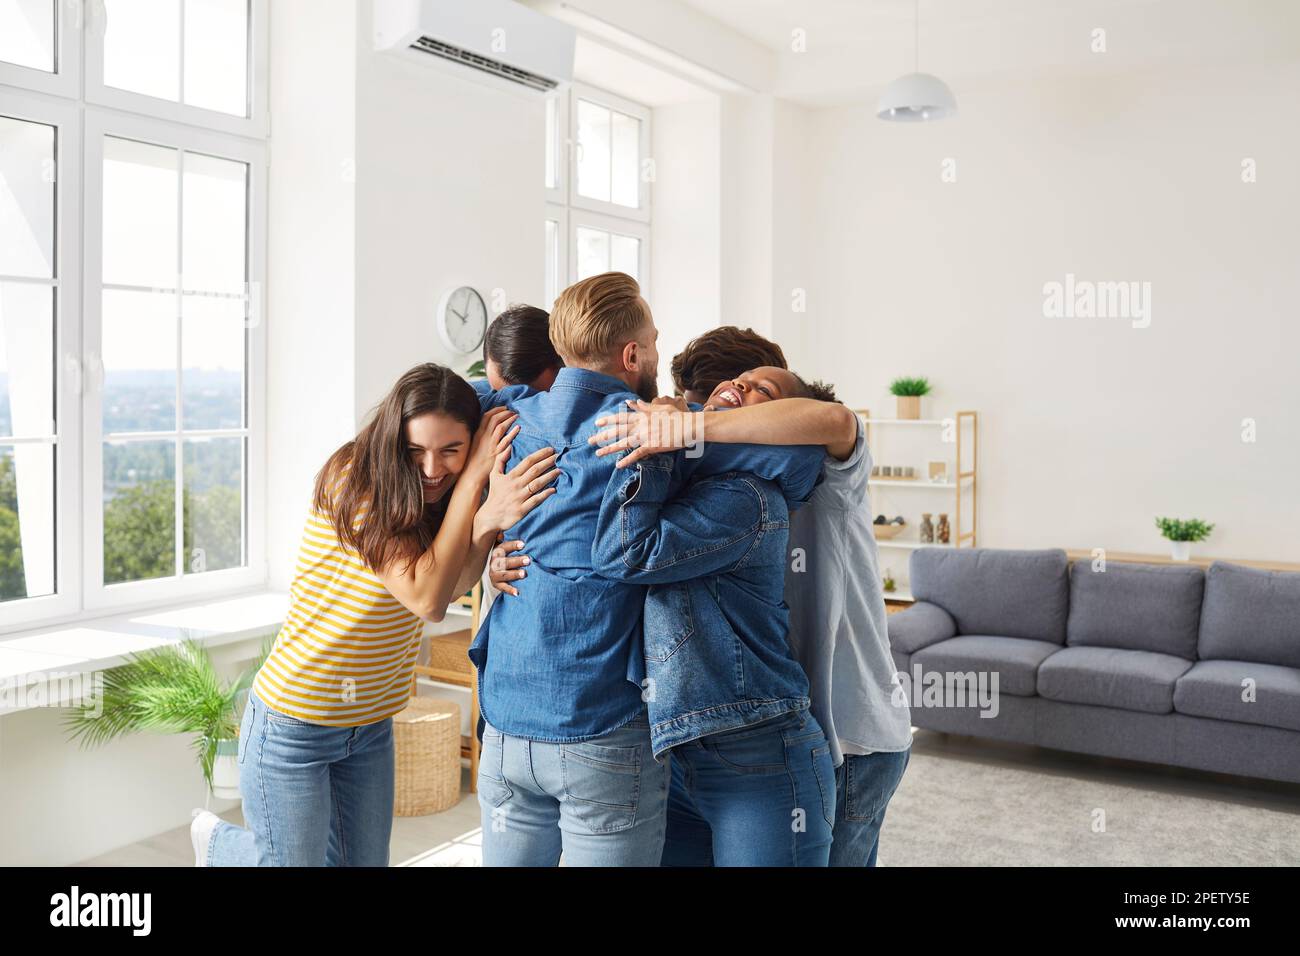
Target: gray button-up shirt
x=837, y=614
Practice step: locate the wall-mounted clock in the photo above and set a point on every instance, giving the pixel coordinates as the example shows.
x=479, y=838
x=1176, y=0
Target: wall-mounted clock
x=462, y=319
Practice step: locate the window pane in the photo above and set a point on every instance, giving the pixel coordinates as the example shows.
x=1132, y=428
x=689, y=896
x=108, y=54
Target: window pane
x=593, y=252
x=26, y=360
x=626, y=160
x=139, y=214
x=212, y=362
x=216, y=55
x=139, y=511
x=552, y=261
x=27, y=33
x=139, y=361
x=214, y=224
x=214, y=504
x=624, y=255
x=26, y=521
x=26, y=198
x=593, y=151
x=551, y=120
x=142, y=47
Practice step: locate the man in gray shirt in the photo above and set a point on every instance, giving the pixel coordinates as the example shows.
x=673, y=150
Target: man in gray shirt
x=838, y=634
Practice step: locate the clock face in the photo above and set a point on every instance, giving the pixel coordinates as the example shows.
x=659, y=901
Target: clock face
x=462, y=319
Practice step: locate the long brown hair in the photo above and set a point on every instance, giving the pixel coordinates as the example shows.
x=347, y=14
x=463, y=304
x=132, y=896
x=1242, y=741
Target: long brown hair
x=369, y=489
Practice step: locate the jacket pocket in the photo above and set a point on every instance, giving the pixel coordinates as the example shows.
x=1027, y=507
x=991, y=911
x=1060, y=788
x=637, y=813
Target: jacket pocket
x=668, y=622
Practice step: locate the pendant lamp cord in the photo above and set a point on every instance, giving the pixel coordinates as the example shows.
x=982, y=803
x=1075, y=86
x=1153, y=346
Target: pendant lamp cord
x=916, y=35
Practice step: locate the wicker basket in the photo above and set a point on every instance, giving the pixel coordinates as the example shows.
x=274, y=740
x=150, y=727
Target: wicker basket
x=426, y=738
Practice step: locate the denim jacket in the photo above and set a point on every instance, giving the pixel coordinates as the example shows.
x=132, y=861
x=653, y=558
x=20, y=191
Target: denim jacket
x=562, y=662
x=715, y=622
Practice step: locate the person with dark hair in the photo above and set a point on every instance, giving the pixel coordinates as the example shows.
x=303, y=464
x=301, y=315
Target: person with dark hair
x=517, y=349
x=718, y=354
x=401, y=521
x=837, y=610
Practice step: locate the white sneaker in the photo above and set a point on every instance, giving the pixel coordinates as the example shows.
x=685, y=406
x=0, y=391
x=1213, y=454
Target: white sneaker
x=204, y=822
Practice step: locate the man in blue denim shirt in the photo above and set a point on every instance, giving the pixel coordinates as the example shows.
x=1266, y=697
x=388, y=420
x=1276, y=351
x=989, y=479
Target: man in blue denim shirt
x=567, y=763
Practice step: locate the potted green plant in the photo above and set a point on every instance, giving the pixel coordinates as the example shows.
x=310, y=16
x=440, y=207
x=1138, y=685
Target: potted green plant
x=477, y=370
x=909, y=390
x=172, y=690
x=1181, y=533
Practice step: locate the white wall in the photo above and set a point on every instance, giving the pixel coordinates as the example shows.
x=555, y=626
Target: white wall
x=449, y=193
x=685, y=246
x=1089, y=427
x=311, y=267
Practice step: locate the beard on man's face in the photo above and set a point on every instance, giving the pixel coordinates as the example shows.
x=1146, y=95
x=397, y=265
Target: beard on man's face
x=647, y=386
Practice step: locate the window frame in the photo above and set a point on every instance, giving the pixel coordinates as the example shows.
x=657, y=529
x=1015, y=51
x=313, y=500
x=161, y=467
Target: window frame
x=99, y=596
x=255, y=125
x=66, y=599
x=65, y=81
x=641, y=212
x=565, y=206
x=560, y=216
x=610, y=224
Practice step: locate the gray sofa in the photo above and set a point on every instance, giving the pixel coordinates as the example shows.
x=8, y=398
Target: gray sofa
x=1162, y=663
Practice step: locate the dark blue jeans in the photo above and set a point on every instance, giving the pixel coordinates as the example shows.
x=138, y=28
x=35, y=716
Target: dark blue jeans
x=863, y=788
x=760, y=796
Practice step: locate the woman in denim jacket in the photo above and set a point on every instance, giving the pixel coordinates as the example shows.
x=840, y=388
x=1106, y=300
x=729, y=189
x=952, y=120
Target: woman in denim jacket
x=753, y=780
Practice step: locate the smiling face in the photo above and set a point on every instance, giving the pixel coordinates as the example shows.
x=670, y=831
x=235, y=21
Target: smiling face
x=758, y=385
x=437, y=446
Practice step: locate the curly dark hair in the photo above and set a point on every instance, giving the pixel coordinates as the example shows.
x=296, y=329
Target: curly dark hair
x=720, y=354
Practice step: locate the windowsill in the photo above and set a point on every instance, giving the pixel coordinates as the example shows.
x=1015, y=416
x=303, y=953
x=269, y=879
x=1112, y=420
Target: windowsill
x=29, y=657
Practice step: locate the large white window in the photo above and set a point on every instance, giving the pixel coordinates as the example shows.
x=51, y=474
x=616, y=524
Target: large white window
x=598, y=178
x=131, y=340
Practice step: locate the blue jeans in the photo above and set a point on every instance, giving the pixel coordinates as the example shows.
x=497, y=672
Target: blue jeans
x=600, y=802
x=760, y=796
x=864, y=786
x=313, y=795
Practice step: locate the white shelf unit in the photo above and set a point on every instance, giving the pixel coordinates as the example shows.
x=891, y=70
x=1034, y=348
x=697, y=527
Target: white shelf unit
x=962, y=484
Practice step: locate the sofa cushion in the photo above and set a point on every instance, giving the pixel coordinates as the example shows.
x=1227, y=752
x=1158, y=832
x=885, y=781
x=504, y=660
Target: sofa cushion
x=1140, y=607
x=1015, y=659
x=1009, y=593
x=1112, y=677
x=920, y=625
x=1250, y=615
x=1216, y=689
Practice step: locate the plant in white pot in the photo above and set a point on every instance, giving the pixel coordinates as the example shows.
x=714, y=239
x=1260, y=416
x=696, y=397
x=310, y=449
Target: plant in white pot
x=1182, y=533
x=172, y=690
x=909, y=391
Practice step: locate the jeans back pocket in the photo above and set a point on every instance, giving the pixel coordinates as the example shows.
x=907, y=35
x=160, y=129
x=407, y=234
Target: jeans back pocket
x=602, y=785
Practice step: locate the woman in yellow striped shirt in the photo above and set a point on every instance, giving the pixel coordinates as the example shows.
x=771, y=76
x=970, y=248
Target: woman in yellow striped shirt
x=402, y=520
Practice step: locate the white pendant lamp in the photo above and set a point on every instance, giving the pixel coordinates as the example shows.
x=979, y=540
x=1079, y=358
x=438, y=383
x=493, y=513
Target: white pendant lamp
x=916, y=97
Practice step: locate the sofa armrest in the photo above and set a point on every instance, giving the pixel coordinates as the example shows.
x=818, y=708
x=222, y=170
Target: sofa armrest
x=919, y=626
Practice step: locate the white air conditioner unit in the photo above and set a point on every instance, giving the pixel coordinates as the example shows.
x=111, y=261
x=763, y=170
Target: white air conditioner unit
x=499, y=41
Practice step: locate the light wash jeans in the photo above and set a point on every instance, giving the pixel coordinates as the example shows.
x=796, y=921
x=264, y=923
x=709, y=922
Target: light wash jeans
x=864, y=785
x=313, y=795
x=599, y=802
x=763, y=795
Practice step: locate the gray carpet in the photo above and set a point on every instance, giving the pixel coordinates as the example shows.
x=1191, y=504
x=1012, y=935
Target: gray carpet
x=965, y=802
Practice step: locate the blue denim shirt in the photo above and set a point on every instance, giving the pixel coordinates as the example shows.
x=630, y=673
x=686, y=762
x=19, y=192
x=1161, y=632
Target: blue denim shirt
x=715, y=617
x=563, y=661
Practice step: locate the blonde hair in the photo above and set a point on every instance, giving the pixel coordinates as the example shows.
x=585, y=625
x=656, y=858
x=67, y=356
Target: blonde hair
x=594, y=317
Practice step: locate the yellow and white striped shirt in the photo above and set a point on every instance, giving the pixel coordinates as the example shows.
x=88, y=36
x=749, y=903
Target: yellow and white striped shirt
x=346, y=652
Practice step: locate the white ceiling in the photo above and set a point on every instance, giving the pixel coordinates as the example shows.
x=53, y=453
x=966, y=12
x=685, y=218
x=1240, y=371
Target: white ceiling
x=855, y=47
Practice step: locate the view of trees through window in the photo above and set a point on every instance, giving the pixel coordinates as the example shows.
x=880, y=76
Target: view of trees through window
x=139, y=485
